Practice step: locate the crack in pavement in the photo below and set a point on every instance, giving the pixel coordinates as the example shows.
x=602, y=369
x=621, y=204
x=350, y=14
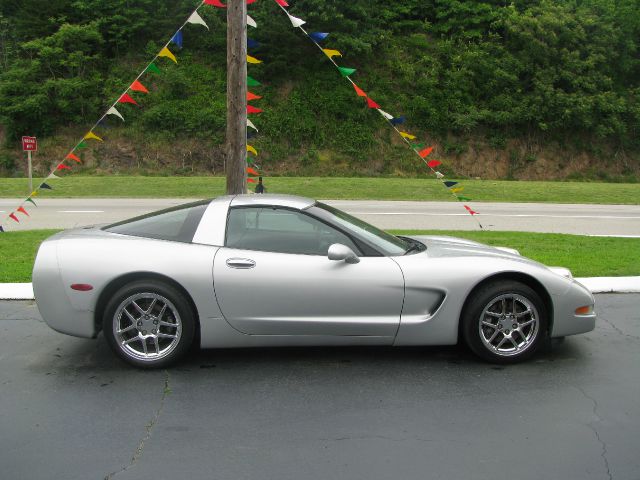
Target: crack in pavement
x=608, y=322
x=137, y=454
x=603, y=453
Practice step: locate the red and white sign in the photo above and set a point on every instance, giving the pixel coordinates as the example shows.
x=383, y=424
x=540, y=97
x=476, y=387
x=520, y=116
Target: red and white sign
x=29, y=144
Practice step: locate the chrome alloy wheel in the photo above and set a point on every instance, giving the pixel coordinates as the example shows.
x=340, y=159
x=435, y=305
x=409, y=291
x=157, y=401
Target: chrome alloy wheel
x=147, y=326
x=509, y=324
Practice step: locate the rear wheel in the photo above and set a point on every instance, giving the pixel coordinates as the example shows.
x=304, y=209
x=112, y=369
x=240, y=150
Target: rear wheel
x=149, y=324
x=505, y=322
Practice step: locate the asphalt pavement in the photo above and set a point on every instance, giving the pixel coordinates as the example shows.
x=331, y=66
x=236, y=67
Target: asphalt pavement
x=69, y=409
x=616, y=220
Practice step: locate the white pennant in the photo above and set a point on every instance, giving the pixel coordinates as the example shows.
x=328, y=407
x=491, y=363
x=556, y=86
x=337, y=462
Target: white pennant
x=295, y=21
x=251, y=22
x=196, y=19
x=385, y=114
x=250, y=124
x=114, y=111
x=52, y=175
x=439, y=175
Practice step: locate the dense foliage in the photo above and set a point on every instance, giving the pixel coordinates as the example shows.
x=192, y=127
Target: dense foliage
x=563, y=70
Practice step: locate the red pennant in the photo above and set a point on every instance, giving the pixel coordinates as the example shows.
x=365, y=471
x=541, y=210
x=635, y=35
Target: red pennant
x=13, y=217
x=434, y=163
x=251, y=180
x=252, y=96
x=359, y=91
x=372, y=104
x=71, y=156
x=138, y=87
x=21, y=209
x=469, y=210
x=215, y=3
x=426, y=152
x=252, y=109
x=282, y=3
x=126, y=98
x=249, y=2
x=62, y=166
x=252, y=171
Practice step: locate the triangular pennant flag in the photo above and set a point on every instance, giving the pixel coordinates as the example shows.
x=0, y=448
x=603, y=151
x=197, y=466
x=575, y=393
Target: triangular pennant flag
x=457, y=189
x=472, y=212
x=295, y=21
x=359, y=91
x=34, y=193
x=104, y=124
x=249, y=2
x=463, y=199
x=252, y=96
x=62, y=166
x=114, y=111
x=1, y=229
x=45, y=186
x=73, y=157
x=250, y=124
x=252, y=82
x=152, y=68
x=251, y=22
x=252, y=171
x=30, y=200
x=165, y=52
x=92, y=136
x=438, y=174
x=251, y=180
x=52, y=175
x=416, y=146
x=345, y=72
x=177, y=38
x=215, y=3
x=398, y=120
x=196, y=19
x=138, y=87
x=251, y=59
x=251, y=134
x=433, y=163
x=82, y=145
x=126, y=98
x=252, y=43
x=318, y=36
x=13, y=217
x=450, y=184
x=386, y=115
x=22, y=210
x=372, y=104
x=282, y=3
x=408, y=135
x=252, y=150
x=331, y=53
x=252, y=109
x=426, y=152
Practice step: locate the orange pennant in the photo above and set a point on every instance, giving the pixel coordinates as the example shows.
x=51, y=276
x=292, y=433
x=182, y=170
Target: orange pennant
x=253, y=171
x=73, y=157
x=138, y=87
x=252, y=96
x=359, y=91
x=426, y=152
x=21, y=209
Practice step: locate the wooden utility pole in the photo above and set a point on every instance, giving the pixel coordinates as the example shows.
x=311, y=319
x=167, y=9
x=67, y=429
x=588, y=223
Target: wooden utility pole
x=236, y=151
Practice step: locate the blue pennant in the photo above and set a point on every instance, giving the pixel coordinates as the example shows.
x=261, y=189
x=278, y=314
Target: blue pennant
x=251, y=134
x=1, y=229
x=44, y=185
x=318, y=36
x=397, y=120
x=251, y=43
x=450, y=184
x=177, y=38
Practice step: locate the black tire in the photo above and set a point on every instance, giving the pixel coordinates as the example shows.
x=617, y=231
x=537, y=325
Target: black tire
x=134, y=333
x=520, y=343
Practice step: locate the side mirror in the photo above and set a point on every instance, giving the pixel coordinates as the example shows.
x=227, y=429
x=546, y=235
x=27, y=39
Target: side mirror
x=337, y=251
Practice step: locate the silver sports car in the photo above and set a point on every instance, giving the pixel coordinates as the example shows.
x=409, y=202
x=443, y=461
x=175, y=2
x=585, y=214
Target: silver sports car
x=275, y=270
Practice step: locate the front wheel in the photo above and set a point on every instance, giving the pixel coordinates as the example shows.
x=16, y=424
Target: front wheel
x=504, y=322
x=149, y=324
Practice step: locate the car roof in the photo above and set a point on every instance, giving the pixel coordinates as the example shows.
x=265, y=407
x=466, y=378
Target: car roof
x=290, y=201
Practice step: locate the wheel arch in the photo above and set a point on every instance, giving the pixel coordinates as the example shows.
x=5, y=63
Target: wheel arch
x=524, y=278
x=118, y=282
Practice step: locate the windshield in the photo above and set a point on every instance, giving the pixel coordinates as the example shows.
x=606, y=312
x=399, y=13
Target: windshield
x=378, y=239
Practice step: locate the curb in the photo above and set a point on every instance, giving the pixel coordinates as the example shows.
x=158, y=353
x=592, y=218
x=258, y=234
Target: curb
x=24, y=291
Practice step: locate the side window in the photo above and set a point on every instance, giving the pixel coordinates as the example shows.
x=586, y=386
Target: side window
x=281, y=230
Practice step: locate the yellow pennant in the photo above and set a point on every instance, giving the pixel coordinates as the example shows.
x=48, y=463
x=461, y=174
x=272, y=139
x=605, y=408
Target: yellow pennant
x=251, y=59
x=408, y=135
x=457, y=190
x=165, y=52
x=92, y=136
x=34, y=193
x=252, y=150
x=331, y=53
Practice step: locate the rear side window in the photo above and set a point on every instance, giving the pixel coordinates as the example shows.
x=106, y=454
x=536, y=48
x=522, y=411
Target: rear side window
x=177, y=224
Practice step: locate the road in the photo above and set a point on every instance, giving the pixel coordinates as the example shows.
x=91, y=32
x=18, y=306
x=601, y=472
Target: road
x=70, y=410
x=616, y=220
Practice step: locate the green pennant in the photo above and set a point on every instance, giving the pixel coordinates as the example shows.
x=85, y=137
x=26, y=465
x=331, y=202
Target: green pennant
x=31, y=200
x=464, y=199
x=346, y=71
x=82, y=144
x=152, y=68
x=417, y=146
x=252, y=82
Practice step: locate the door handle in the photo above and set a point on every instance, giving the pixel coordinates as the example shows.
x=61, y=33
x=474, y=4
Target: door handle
x=244, y=263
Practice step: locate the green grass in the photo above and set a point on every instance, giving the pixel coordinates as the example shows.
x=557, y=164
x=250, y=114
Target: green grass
x=585, y=256
x=335, y=188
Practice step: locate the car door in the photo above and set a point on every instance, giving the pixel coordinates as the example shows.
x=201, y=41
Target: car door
x=273, y=277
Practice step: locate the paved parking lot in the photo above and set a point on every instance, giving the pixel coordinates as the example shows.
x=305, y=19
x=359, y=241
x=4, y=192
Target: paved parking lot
x=70, y=410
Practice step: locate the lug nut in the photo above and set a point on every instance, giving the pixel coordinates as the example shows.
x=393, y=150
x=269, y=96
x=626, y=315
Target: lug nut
x=153, y=331
x=507, y=332
x=499, y=327
x=139, y=324
x=155, y=322
x=144, y=332
x=515, y=326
